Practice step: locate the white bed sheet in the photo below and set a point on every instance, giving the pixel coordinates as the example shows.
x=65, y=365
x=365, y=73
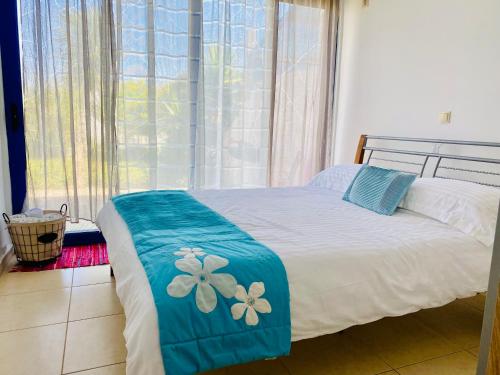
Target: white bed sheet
x=345, y=265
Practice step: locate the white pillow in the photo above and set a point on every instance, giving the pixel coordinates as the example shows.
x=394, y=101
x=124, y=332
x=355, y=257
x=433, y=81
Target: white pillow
x=337, y=178
x=466, y=206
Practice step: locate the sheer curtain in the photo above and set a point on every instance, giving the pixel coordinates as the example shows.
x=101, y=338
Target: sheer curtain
x=69, y=91
x=130, y=95
x=193, y=103
x=236, y=70
x=303, y=97
x=153, y=112
x=236, y=61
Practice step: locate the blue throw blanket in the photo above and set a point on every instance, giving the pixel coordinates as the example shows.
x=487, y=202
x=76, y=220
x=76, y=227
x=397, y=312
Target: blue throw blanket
x=222, y=297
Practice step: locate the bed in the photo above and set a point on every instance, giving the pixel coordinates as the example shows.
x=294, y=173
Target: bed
x=345, y=265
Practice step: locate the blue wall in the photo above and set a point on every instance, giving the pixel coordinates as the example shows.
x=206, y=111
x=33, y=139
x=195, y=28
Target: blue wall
x=12, y=87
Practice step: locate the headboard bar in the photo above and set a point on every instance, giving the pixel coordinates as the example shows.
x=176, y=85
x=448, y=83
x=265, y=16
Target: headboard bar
x=433, y=154
x=420, y=160
x=429, y=140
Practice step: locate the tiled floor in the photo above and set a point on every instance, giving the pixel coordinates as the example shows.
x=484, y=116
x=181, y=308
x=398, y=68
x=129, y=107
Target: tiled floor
x=71, y=322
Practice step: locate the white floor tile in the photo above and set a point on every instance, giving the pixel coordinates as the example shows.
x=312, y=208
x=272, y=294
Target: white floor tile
x=94, y=343
x=92, y=301
x=34, y=351
x=24, y=282
x=118, y=369
x=34, y=309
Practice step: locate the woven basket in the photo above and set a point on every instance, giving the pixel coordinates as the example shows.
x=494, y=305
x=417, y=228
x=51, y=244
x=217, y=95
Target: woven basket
x=38, y=241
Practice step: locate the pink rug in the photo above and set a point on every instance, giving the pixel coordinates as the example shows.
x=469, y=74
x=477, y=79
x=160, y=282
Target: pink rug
x=71, y=257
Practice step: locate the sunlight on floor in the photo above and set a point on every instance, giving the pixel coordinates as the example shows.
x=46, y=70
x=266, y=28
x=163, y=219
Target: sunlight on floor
x=81, y=226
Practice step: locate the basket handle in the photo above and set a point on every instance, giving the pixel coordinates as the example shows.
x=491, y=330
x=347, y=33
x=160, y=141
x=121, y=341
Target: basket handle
x=6, y=218
x=64, y=207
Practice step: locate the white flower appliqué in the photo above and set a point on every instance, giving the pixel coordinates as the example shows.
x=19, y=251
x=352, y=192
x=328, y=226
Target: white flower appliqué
x=251, y=303
x=203, y=277
x=188, y=252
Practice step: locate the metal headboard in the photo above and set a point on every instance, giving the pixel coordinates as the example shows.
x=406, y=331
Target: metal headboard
x=479, y=162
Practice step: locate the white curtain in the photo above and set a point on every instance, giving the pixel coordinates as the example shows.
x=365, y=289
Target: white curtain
x=153, y=114
x=236, y=75
x=303, y=96
x=69, y=89
x=130, y=95
x=190, y=81
x=193, y=103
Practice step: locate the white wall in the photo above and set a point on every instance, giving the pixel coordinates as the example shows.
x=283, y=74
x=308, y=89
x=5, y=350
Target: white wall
x=404, y=61
x=5, y=203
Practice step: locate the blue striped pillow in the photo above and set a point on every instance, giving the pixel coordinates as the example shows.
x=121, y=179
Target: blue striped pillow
x=378, y=189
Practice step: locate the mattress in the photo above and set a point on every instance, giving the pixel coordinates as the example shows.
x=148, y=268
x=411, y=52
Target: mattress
x=345, y=265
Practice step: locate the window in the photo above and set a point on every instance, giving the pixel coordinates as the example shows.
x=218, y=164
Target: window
x=129, y=95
